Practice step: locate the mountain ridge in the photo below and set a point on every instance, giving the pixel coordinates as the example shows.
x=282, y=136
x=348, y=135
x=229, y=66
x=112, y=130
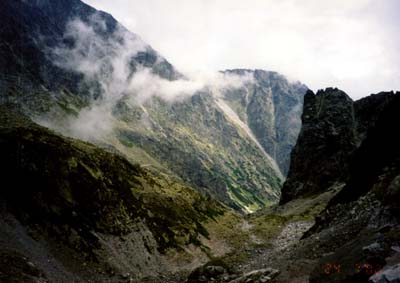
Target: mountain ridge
x=356, y=147
x=179, y=177
x=334, y=126
x=102, y=102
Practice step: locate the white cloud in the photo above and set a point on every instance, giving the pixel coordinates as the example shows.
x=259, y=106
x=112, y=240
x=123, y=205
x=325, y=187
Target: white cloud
x=144, y=85
x=107, y=61
x=349, y=44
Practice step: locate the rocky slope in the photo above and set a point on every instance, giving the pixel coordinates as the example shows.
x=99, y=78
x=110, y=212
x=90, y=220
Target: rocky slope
x=357, y=235
x=344, y=227
x=78, y=71
x=72, y=212
x=216, y=149
x=365, y=213
x=271, y=107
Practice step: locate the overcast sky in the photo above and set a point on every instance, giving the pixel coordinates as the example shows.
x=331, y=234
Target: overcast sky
x=350, y=44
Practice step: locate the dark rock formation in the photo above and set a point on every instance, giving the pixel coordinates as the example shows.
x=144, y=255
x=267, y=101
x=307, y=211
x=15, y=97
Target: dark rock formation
x=376, y=163
x=353, y=236
x=333, y=128
x=327, y=139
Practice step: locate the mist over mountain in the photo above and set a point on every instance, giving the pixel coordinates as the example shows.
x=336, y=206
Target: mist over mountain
x=117, y=167
x=228, y=134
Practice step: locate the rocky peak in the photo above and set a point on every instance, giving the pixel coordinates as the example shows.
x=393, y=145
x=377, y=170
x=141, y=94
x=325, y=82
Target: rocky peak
x=350, y=151
x=375, y=165
x=326, y=140
x=368, y=109
x=324, y=106
x=333, y=128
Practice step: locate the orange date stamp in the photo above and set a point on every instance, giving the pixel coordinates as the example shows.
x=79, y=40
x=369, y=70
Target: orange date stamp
x=332, y=268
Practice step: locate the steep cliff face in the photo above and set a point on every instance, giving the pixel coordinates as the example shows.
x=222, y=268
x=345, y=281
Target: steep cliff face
x=367, y=111
x=357, y=234
x=271, y=107
x=212, y=142
x=375, y=165
x=365, y=213
x=196, y=140
x=327, y=139
x=333, y=128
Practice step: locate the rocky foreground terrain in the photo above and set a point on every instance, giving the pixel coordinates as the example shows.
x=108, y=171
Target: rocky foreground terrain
x=109, y=174
x=53, y=232
x=345, y=172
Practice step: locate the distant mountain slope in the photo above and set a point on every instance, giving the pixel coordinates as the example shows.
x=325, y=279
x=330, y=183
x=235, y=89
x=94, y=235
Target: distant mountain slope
x=197, y=141
x=31, y=30
x=78, y=71
x=271, y=107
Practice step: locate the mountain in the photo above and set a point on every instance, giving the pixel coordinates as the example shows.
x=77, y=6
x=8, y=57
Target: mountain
x=78, y=71
x=326, y=141
x=348, y=150
x=33, y=29
x=216, y=149
x=338, y=219
x=334, y=126
x=153, y=192
x=72, y=212
x=271, y=107
x=139, y=199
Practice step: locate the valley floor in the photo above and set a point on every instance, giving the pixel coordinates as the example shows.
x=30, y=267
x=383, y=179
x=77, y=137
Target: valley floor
x=260, y=241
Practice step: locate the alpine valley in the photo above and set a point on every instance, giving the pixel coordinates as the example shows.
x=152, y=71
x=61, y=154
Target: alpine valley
x=117, y=167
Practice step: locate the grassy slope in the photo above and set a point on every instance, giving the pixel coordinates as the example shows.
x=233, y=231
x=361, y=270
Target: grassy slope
x=197, y=142
x=67, y=188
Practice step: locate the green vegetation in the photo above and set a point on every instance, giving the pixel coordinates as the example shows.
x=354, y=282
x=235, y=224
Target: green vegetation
x=194, y=140
x=77, y=184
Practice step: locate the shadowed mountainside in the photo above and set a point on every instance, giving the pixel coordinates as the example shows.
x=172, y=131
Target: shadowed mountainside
x=79, y=213
x=333, y=127
x=351, y=150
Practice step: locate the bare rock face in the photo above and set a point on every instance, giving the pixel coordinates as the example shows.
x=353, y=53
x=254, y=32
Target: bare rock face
x=271, y=106
x=334, y=127
x=375, y=165
x=326, y=140
x=353, y=236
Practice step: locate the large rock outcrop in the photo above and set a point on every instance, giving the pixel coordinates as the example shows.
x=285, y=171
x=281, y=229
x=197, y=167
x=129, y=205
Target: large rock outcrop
x=364, y=217
x=327, y=138
x=358, y=232
x=333, y=128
